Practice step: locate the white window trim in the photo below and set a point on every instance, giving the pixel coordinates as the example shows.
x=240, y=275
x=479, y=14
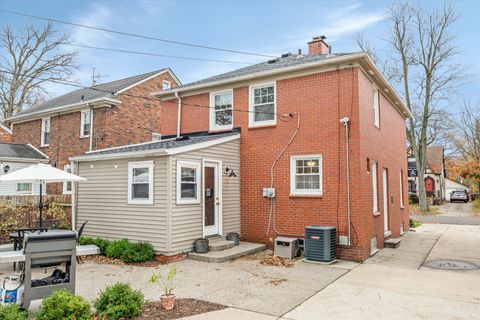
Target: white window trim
x=156, y=136
x=140, y=164
x=213, y=126
x=42, y=141
x=24, y=192
x=166, y=82
x=65, y=191
x=376, y=107
x=252, y=123
x=82, y=123
x=402, y=204
x=305, y=192
x=374, y=171
x=197, y=167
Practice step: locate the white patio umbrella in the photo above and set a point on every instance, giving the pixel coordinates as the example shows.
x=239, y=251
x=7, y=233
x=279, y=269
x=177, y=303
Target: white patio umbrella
x=41, y=173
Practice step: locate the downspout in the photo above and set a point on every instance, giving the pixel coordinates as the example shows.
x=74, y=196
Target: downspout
x=179, y=114
x=73, y=197
x=345, y=121
x=91, y=128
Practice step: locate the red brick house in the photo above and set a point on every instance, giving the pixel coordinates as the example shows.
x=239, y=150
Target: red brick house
x=5, y=134
x=271, y=135
x=106, y=115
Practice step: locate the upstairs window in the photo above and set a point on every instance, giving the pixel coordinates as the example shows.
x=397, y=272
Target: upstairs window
x=221, y=111
x=188, y=182
x=45, y=139
x=67, y=186
x=376, y=110
x=306, y=175
x=262, y=104
x=85, y=123
x=140, y=182
x=166, y=85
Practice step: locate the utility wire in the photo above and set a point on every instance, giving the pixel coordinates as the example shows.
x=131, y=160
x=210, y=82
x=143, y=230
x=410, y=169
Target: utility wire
x=145, y=53
x=135, y=35
x=148, y=98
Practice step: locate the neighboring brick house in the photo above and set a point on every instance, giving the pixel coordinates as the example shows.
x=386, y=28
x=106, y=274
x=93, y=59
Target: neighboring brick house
x=283, y=118
x=5, y=134
x=106, y=115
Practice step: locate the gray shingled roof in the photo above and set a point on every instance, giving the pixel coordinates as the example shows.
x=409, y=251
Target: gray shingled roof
x=25, y=151
x=160, y=145
x=281, y=62
x=103, y=90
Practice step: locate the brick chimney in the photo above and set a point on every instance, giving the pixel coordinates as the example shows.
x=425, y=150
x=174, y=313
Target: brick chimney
x=318, y=46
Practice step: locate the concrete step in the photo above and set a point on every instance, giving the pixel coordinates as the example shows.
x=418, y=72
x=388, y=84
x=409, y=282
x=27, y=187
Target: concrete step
x=220, y=245
x=242, y=249
x=392, y=243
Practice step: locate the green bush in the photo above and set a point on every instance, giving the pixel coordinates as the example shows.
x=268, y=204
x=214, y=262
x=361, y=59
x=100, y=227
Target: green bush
x=414, y=223
x=116, y=248
x=119, y=301
x=64, y=305
x=102, y=244
x=138, y=252
x=11, y=311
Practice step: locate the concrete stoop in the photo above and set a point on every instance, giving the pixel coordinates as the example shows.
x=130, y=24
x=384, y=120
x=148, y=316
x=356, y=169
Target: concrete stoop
x=220, y=245
x=392, y=243
x=228, y=253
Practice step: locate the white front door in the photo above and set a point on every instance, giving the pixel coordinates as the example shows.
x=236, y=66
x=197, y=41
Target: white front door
x=212, y=198
x=385, y=199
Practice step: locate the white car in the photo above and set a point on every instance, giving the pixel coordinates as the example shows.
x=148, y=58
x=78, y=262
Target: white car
x=459, y=195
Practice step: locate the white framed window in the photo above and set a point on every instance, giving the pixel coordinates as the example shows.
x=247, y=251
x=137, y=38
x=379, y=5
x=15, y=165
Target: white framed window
x=262, y=105
x=375, y=186
x=67, y=186
x=402, y=204
x=24, y=188
x=85, y=123
x=376, y=108
x=140, y=182
x=156, y=136
x=166, y=85
x=45, y=139
x=306, y=175
x=221, y=110
x=188, y=182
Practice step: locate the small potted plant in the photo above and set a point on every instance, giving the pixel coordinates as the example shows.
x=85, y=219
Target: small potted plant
x=168, y=285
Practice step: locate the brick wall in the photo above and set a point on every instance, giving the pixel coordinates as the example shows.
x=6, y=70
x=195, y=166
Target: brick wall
x=5, y=136
x=132, y=121
x=320, y=100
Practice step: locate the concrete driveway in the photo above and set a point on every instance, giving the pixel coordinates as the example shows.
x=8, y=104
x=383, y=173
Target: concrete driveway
x=452, y=213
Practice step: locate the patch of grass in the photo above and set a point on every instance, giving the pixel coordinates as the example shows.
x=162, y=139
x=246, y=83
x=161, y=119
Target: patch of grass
x=415, y=210
x=476, y=205
x=414, y=223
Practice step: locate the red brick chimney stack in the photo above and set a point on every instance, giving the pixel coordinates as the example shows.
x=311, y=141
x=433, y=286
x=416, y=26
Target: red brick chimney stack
x=318, y=46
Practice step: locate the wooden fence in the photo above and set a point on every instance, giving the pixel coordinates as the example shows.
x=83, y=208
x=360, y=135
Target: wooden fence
x=20, y=200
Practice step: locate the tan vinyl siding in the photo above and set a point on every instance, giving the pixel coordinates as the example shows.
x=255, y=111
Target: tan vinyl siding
x=102, y=200
x=186, y=219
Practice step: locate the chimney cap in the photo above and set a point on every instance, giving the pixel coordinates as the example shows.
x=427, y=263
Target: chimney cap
x=316, y=38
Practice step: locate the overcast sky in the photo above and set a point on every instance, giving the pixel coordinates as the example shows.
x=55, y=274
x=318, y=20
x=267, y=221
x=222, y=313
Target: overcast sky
x=270, y=27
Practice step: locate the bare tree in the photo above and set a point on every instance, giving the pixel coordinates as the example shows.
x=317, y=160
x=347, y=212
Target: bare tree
x=465, y=136
x=422, y=64
x=31, y=57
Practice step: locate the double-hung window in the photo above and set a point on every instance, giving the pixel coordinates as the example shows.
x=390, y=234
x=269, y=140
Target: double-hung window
x=221, y=110
x=85, y=123
x=375, y=186
x=24, y=188
x=306, y=175
x=67, y=186
x=140, y=182
x=262, y=105
x=376, y=108
x=45, y=139
x=188, y=182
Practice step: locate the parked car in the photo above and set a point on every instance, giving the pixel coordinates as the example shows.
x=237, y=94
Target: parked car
x=459, y=195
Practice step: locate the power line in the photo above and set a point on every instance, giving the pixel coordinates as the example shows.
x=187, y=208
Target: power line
x=136, y=35
x=148, y=98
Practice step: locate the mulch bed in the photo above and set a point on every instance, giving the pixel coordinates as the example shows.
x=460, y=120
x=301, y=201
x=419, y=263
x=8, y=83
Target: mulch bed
x=183, y=308
x=159, y=260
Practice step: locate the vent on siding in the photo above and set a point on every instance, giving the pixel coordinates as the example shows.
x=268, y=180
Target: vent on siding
x=320, y=243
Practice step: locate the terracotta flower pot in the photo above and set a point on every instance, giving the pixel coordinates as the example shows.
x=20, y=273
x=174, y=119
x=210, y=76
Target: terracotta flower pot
x=168, y=301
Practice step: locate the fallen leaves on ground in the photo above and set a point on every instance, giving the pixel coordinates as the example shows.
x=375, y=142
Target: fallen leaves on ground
x=277, y=262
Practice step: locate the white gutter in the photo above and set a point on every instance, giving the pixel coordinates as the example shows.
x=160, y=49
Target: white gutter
x=67, y=107
x=7, y=129
x=179, y=114
x=13, y=159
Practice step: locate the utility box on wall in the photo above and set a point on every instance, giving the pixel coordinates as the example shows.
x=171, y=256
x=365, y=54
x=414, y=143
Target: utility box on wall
x=286, y=247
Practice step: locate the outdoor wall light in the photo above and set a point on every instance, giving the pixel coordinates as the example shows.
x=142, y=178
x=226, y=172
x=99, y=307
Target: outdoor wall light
x=6, y=168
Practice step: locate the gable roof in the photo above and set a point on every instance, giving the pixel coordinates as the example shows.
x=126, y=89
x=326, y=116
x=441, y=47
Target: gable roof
x=104, y=91
x=5, y=128
x=165, y=147
x=20, y=152
x=435, y=158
